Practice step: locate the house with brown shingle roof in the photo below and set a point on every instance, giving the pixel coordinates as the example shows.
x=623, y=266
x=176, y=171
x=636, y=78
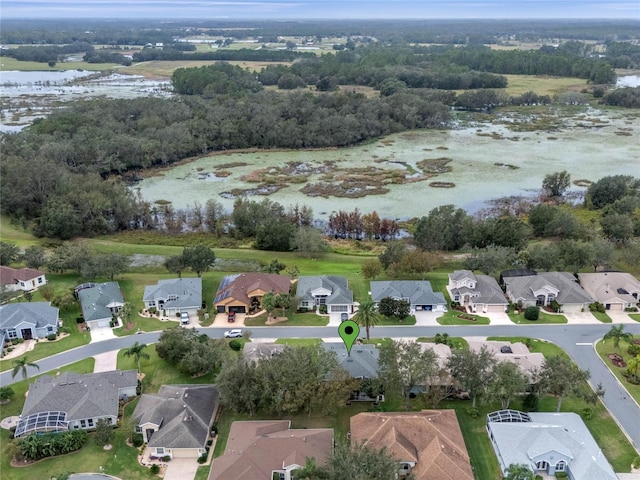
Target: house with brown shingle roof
x=427, y=444
x=257, y=450
x=25, y=279
x=239, y=293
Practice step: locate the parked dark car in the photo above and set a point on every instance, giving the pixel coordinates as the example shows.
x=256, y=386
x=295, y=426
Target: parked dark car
x=231, y=317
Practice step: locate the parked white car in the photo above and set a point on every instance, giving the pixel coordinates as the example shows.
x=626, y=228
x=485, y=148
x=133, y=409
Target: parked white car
x=184, y=318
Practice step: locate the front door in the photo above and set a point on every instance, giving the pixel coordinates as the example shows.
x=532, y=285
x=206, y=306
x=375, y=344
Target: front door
x=27, y=333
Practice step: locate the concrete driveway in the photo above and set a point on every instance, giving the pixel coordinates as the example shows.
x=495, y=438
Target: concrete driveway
x=620, y=317
x=101, y=334
x=181, y=469
x=427, y=318
x=497, y=318
x=580, y=317
x=106, y=362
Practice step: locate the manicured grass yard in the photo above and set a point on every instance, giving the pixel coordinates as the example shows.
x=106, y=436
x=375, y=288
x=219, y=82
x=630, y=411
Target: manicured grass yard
x=544, y=318
x=605, y=347
x=452, y=317
x=635, y=316
x=308, y=319
x=394, y=322
x=602, y=316
x=548, y=349
x=294, y=342
x=458, y=342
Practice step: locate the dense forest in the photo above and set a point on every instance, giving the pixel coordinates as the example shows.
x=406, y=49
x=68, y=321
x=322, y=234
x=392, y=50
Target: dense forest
x=137, y=32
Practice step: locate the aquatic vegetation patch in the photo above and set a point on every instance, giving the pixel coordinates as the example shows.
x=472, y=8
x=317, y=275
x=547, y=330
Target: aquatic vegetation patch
x=230, y=165
x=582, y=182
x=506, y=165
x=263, y=190
x=355, y=189
x=442, y=184
x=434, y=166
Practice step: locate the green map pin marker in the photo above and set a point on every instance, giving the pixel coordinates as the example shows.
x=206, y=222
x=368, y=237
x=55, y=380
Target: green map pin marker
x=349, y=331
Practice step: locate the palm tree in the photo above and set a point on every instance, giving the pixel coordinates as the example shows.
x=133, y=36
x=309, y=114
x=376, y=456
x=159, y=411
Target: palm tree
x=136, y=350
x=367, y=315
x=518, y=472
x=125, y=313
x=633, y=365
x=20, y=365
x=617, y=333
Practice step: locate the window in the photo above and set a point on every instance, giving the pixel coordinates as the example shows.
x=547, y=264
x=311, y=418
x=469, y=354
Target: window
x=39, y=279
x=90, y=422
x=83, y=423
x=550, y=298
x=456, y=298
x=49, y=328
x=540, y=300
x=172, y=297
x=11, y=333
x=22, y=284
x=138, y=429
x=152, y=303
x=305, y=303
x=561, y=466
x=160, y=450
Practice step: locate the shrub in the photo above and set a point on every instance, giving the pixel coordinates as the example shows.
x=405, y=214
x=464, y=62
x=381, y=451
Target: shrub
x=530, y=403
x=166, y=458
x=633, y=350
x=473, y=412
x=532, y=313
x=137, y=440
x=561, y=475
x=79, y=319
x=587, y=413
x=631, y=309
x=202, y=458
x=636, y=462
x=235, y=345
x=597, y=307
x=323, y=309
x=6, y=393
x=555, y=306
x=51, y=337
x=155, y=469
x=303, y=310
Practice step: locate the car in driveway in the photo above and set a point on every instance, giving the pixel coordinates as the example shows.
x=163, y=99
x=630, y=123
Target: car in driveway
x=344, y=316
x=235, y=333
x=231, y=317
x=184, y=318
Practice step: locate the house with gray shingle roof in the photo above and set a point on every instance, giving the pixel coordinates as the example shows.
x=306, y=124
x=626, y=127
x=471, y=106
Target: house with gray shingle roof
x=72, y=401
x=176, y=422
x=545, y=287
x=479, y=293
x=25, y=279
x=328, y=290
x=615, y=290
x=174, y=296
x=419, y=294
x=100, y=302
x=361, y=363
x=28, y=320
x=548, y=443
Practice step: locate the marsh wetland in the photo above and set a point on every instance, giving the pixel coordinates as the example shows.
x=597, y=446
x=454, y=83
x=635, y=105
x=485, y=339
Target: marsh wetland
x=407, y=174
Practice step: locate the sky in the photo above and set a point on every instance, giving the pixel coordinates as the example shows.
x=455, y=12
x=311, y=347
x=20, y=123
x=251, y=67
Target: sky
x=321, y=9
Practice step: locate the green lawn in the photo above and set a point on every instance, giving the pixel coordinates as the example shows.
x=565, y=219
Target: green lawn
x=309, y=319
x=604, y=347
x=602, y=316
x=394, y=322
x=157, y=372
x=635, y=316
x=544, y=317
x=452, y=318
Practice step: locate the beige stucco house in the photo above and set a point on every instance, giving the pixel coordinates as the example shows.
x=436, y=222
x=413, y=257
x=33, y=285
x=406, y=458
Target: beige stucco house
x=615, y=290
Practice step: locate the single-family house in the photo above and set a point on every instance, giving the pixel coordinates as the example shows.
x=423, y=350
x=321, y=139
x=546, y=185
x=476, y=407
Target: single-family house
x=615, y=290
x=25, y=279
x=174, y=296
x=243, y=292
x=418, y=293
x=547, y=443
x=176, y=421
x=544, y=288
x=516, y=352
x=28, y=320
x=361, y=363
x=256, y=351
x=328, y=290
x=427, y=445
x=479, y=293
x=100, y=302
x=257, y=450
x=72, y=401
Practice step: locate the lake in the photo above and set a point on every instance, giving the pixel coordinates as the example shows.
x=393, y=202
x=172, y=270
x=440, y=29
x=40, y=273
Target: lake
x=487, y=161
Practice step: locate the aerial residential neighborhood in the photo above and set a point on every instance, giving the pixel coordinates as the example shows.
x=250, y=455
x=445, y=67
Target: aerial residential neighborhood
x=320, y=240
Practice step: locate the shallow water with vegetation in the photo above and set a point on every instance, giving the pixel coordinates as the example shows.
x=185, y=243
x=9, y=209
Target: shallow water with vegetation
x=407, y=174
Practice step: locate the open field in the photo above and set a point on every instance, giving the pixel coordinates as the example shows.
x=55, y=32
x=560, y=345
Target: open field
x=165, y=68
x=8, y=63
x=542, y=85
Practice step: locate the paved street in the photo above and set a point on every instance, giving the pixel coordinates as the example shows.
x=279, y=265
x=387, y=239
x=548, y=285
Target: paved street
x=576, y=340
